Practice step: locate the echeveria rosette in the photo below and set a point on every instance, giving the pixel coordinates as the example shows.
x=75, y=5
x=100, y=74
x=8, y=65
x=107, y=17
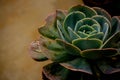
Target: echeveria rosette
x=82, y=39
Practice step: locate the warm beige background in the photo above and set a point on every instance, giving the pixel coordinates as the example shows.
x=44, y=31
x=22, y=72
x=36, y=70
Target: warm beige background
x=19, y=21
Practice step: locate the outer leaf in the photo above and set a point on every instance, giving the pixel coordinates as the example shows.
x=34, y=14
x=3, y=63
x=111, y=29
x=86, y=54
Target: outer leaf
x=102, y=12
x=113, y=41
x=36, y=53
x=55, y=72
x=78, y=64
x=97, y=53
x=115, y=25
x=71, y=49
x=49, y=29
x=84, y=44
x=72, y=18
x=54, y=51
x=105, y=31
x=107, y=69
x=101, y=20
x=60, y=15
x=89, y=12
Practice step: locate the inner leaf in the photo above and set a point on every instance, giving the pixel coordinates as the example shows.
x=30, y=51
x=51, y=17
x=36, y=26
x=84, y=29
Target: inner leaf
x=86, y=29
x=72, y=19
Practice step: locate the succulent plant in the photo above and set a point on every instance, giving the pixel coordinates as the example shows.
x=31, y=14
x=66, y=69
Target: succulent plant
x=83, y=43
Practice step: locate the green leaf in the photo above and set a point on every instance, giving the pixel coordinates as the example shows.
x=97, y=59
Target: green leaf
x=115, y=25
x=49, y=29
x=89, y=21
x=97, y=53
x=78, y=64
x=72, y=18
x=78, y=25
x=84, y=44
x=53, y=51
x=102, y=20
x=86, y=28
x=113, y=41
x=71, y=49
x=73, y=35
x=96, y=27
x=109, y=52
x=60, y=15
x=36, y=53
x=55, y=71
x=102, y=12
x=89, y=12
x=82, y=34
x=52, y=45
x=107, y=69
x=63, y=34
x=105, y=31
x=85, y=21
x=98, y=35
x=91, y=54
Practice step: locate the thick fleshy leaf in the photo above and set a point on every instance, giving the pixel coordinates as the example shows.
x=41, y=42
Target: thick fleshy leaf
x=101, y=20
x=98, y=35
x=89, y=12
x=82, y=34
x=73, y=35
x=71, y=49
x=63, y=34
x=53, y=51
x=55, y=71
x=109, y=52
x=113, y=41
x=49, y=29
x=78, y=64
x=105, y=31
x=107, y=69
x=86, y=29
x=115, y=25
x=60, y=15
x=102, y=12
x=85, y=21
x=97, y=53
x=96, y=27
x=78, y=25
x=72, y=18
x=89, y=21
x=36, y=53
x=86, y=43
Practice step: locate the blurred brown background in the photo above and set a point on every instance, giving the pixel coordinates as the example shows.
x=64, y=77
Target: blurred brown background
x=19, y=21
